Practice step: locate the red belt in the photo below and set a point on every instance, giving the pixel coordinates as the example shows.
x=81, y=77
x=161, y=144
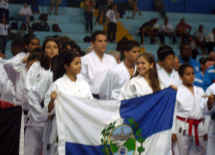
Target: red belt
x=191, y=123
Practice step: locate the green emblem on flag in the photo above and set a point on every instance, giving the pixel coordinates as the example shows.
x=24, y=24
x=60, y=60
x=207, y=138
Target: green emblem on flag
x=122, y=140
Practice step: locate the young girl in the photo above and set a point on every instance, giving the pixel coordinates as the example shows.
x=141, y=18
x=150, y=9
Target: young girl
x=188, y=129
x=145, y=81
x=34, y=130
x=66, y=81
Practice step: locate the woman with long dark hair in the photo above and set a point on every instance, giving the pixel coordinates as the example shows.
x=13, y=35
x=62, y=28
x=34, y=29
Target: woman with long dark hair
x=41, y=68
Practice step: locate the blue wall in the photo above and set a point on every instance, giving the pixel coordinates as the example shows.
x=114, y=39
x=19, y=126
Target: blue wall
x=190, y=6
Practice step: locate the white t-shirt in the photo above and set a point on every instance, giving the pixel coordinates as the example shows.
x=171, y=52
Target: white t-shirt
x=25, y=11
x=210, y=37
x=4, y=29
x=167, y=28
x=156, y=26
x=4, y=4
x=112, y=15
x=200, y=35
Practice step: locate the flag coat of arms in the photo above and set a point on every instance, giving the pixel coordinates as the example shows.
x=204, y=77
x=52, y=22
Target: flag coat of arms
x=136, y=126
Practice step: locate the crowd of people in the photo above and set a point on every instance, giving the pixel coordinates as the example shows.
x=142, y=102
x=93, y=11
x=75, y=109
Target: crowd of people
x=36, y=74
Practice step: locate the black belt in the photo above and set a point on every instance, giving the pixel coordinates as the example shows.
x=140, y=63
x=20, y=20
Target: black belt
x=25, y=112
x=96, y=96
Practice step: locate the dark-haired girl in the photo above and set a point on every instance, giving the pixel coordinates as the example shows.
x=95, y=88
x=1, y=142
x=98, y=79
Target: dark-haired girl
x=145, y=81
x=34, y=130
x=66, y=81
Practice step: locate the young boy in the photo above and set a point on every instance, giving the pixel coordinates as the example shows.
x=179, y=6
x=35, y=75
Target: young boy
x=188, y=128
x=206, y=63
x=167, y=75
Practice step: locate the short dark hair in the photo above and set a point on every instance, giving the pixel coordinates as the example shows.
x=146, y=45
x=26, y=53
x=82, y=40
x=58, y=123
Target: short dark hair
x=37, y=50
x=18, y=45
x=127, y=46
x=34, y=56
x=182, y=68
x=93, y=36
x=206, y=60
x=163, y=49
x=184, y=44
x=165, y=54
x=31, y=38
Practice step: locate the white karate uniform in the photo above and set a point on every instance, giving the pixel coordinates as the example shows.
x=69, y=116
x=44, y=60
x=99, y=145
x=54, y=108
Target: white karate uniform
x=167, y=80
x=188, y=106
x=210, y=150
x=7, y=91
x=94, y=71
x=17, y=71
x=78, y=88
x=114, y=81
x=158, y=66
x=34, y=130
x=137, y=87
x=35, y=96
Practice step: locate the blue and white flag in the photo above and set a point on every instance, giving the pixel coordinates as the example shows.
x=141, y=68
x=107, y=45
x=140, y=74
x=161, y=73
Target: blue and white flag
x=136, y=126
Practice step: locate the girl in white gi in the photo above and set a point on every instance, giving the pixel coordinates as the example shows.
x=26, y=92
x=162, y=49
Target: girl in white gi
x=66, y=81
x=188, y=129
x=34, y=130
x=145, y=82
x=208, y=107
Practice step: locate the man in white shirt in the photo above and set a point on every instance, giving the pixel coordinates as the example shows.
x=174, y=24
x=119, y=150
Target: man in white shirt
x=117, y=76
x=112, y=17
x=96, y=64
x=200, y=36
x=25, y=14
x=167, y=30
x=210, y=41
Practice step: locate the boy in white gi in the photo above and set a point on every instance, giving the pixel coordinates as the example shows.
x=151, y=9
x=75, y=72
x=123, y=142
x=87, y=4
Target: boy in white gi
x=188, y=128
x=96, y=64
x=117, y=76
x=167, y=75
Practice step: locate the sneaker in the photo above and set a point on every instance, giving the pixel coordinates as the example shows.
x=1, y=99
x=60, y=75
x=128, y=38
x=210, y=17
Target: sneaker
x=97, y=23
x=56, y=13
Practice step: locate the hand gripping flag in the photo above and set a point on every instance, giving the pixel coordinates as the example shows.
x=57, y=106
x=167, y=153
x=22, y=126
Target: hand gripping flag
x=136, y=126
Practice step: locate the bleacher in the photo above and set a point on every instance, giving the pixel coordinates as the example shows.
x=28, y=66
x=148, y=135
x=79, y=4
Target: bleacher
x=72, y=23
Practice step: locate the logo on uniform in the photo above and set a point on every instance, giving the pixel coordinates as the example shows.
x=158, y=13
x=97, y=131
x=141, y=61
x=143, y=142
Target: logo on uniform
x=122, y=139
